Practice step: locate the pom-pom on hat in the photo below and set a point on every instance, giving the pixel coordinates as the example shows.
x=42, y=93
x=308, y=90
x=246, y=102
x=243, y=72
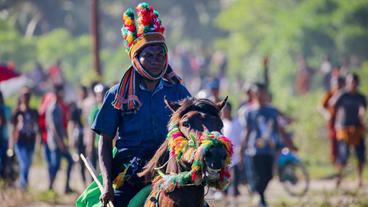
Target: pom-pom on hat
x=146, y=29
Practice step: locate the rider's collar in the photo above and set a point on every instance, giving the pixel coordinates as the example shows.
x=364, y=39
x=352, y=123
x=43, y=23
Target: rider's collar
x=159, y=87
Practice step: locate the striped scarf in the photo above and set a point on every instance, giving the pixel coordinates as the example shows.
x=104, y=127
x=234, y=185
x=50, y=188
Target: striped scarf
x=126, y=99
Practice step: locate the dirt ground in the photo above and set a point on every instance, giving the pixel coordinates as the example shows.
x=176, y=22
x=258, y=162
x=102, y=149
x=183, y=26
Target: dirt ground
x=322, y=193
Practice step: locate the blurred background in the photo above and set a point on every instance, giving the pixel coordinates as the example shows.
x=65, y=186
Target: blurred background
x=299, y=43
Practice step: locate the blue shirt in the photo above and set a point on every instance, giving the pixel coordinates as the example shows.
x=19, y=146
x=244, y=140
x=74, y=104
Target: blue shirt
x=263, y=127
x=146, y=129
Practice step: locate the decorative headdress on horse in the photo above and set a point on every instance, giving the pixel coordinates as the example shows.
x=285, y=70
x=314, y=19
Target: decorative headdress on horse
x=188, y=149
x=137, y=33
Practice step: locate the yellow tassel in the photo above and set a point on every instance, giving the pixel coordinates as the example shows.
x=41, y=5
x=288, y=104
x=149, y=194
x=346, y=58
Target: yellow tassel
x=130, y=38
x=119, y=180
x=128, y=20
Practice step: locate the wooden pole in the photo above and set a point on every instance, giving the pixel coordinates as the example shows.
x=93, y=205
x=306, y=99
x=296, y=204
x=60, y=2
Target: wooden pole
x=93, y=173
x=95, y=37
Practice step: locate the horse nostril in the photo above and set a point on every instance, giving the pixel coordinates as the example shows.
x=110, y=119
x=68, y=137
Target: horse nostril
x=216, y=165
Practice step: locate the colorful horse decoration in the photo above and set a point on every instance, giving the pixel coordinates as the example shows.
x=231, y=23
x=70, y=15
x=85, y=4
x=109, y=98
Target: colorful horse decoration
x=194, y=155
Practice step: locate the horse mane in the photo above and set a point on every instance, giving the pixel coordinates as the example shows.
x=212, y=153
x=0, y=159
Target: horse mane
x=162, y=154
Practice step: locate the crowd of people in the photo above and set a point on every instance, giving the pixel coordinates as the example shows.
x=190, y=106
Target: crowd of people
x=344, y=107
x=63, y=130
x=258, y=133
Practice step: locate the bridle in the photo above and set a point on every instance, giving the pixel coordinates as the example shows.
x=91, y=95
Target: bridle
x=192, y=151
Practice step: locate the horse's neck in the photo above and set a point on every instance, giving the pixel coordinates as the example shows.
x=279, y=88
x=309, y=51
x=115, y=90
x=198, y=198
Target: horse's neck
x=179, y=197
x=188, y=196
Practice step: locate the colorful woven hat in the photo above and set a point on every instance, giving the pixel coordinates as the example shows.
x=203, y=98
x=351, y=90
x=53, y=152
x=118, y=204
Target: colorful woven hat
x=138, y=33
x=147, y=29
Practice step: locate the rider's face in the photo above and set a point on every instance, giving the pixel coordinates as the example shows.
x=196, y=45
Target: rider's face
x=153, y=58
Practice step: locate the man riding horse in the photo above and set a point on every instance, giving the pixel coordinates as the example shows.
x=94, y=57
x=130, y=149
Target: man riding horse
x=135, y=109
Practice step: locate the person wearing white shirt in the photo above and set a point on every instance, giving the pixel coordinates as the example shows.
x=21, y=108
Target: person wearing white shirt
x=233, y=129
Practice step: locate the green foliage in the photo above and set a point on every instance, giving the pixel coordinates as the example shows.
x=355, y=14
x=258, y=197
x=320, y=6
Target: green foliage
x=14, y=46
x=116, y=62
x=74, y=53
x=363, y=74
x=285, y=30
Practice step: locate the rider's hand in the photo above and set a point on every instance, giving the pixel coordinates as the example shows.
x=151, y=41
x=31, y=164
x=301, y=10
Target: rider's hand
x=107, y=195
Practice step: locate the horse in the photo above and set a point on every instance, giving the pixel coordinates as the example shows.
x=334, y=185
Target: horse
x=193, y=156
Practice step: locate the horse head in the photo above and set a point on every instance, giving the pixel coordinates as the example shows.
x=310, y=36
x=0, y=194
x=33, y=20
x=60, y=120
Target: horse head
x=199, y=122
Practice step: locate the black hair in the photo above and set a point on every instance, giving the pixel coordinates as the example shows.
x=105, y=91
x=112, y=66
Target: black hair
x=341, y=80
x=355, y=77
x=256, y=87
x=58, y=88
x=92, y=86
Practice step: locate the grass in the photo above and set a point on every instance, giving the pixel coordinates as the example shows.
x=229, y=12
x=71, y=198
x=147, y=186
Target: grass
x=49, y=196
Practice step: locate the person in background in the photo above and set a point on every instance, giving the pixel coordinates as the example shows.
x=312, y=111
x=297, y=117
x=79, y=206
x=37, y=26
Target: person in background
x=214, y=90
x=326, y=69
x=5, y=119
x=87, y=104
x=55, y=74
x=233, y=129
x=349, y=108
x=77, y=129
x=92, y=144
x=25, y=130
x=57, y=138
x=245, y=105
x=45, y=102
x=337, y=84
x=2, y=137
x=38, y=76
x=261, y=135
x=303, y=77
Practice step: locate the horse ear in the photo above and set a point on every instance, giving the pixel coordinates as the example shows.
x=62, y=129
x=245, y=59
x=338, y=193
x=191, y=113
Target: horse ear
x=222, y=103
x=173, y=106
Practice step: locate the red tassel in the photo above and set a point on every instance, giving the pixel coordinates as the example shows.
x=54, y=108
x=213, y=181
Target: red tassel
x=194, y=176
